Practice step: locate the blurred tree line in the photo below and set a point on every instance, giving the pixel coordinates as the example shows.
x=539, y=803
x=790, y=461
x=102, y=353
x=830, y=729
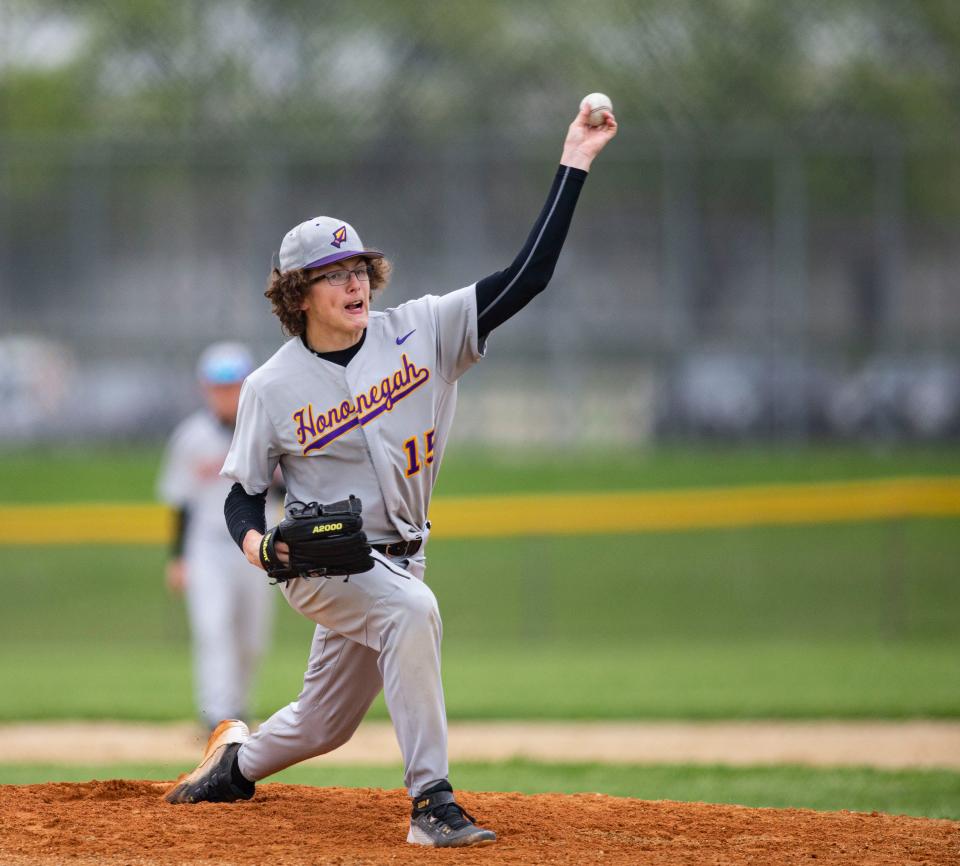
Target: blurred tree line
x=394, y=73
x=379, y=68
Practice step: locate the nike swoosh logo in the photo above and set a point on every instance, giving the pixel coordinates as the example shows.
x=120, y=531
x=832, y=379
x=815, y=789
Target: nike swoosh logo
x=402, y=340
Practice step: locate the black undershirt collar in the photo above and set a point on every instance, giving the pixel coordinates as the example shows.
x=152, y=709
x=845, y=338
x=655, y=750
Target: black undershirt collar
x=340, y=356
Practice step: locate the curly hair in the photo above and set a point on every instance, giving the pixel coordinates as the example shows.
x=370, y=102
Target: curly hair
x=287, y=289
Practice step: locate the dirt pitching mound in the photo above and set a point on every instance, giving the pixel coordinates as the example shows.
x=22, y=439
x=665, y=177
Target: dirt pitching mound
x=127, y=822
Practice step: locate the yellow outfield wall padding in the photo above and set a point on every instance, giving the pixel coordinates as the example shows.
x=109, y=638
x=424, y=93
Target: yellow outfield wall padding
x=547, y=513
x=86, y=523
x=655, y=511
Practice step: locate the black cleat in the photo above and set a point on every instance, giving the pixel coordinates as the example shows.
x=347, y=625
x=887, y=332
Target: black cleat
x=213, y=781
x=439, y=822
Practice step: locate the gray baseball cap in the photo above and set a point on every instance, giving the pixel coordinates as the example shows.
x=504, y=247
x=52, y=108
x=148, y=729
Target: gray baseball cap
x=321, y=241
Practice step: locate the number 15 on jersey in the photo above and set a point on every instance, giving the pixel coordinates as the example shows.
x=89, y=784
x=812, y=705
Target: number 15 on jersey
x=412, y=447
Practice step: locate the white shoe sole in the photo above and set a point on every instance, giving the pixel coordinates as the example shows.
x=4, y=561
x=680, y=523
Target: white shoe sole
x=416, y=836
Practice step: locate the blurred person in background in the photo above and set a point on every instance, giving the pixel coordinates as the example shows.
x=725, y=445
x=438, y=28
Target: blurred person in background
x=229, y=604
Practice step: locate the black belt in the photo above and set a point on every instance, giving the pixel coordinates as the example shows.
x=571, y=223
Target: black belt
x=399, y=548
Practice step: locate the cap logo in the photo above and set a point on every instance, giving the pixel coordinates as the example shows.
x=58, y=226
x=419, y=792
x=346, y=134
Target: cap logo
x=339, y=237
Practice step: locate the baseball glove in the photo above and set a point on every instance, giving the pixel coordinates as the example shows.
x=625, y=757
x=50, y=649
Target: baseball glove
x=324, y=540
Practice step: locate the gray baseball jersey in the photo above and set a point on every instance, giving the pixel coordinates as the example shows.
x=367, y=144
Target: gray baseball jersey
x=190, y=478
x=375, y=428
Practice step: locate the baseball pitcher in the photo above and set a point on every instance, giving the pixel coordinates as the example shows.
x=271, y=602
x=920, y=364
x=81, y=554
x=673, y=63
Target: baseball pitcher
x=356, y=410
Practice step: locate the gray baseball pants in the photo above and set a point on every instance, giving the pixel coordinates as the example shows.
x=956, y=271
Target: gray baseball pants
x=377, y=630
x=230, y=607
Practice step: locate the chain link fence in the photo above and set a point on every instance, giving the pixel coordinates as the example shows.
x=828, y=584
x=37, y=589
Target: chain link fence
x=768, y=250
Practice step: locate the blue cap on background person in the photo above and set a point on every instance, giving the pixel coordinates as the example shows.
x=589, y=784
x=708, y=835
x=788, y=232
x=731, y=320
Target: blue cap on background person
x=321, y=241
x=225, y=364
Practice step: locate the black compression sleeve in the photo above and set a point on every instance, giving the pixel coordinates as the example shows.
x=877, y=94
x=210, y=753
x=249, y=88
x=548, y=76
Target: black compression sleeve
x=181, y=519
x=244, y=512
x=506, y=292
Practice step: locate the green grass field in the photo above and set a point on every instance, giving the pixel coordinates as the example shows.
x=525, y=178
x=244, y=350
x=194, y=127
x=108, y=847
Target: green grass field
x=665, y=681
x=853, y=620
x=856, y=620
x=127, y=473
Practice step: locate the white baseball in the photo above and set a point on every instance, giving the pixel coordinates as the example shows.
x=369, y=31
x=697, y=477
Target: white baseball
x=598, y=102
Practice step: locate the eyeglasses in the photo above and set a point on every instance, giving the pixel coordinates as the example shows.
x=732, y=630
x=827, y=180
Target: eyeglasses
x=341, y=278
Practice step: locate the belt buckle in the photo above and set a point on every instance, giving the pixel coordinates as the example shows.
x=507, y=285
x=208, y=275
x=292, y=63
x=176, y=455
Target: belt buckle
x=402, y=549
